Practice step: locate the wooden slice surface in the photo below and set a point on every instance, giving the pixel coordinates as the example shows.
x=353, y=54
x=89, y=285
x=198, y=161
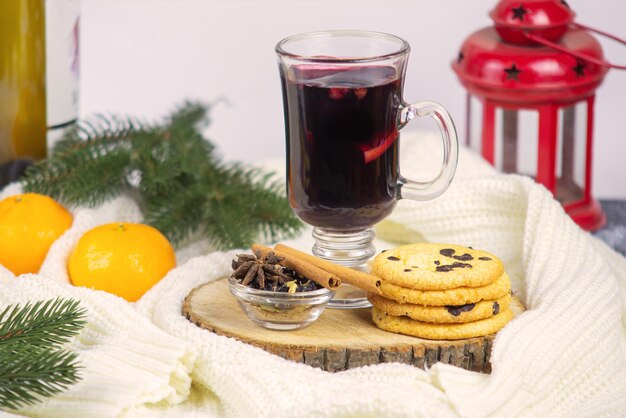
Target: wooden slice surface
x=338, y=340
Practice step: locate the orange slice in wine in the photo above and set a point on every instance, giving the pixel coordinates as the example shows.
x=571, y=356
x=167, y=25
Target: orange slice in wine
x=371, y=153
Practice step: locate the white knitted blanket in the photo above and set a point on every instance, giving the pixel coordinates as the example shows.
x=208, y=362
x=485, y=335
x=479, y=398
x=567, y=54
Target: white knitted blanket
x=565, y=356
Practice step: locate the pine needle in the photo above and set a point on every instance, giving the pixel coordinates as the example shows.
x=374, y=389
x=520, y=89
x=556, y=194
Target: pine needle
x=32, y=363
x=45, y=323
x=28, y=372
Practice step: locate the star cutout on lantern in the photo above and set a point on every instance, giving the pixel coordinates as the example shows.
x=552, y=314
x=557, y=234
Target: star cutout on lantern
x=579, y=69
x=460, y=57
x=519, y=12
x=512, y=73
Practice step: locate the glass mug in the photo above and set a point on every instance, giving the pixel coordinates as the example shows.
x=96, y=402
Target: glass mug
x=342, y=97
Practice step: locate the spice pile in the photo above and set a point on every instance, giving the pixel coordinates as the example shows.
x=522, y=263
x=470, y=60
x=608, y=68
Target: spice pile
x=265, y=273
x=285, y=269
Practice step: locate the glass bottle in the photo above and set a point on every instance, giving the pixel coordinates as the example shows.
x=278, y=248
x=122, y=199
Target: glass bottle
x=39, y=69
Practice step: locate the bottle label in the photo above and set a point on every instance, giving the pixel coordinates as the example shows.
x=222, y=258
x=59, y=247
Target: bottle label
x=62, y=66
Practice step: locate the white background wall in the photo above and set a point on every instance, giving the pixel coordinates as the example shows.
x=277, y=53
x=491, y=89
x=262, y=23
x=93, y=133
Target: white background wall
x=144, y=56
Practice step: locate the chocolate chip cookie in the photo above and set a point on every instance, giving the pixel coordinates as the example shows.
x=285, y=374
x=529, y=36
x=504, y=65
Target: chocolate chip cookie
x=449, y=314
x=457, y=296
x=408, y=326
x=437, y=267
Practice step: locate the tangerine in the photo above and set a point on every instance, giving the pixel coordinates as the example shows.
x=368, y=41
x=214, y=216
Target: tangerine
x=29, y=224
x=125, y=259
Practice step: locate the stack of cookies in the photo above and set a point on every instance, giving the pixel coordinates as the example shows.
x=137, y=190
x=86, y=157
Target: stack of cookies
x=441, y=292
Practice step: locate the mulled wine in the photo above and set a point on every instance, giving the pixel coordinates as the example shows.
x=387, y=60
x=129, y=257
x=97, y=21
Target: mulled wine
x=342, y=143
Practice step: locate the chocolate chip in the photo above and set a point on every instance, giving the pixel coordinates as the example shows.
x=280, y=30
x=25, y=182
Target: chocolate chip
x=448, y=267
x=458, y=310
x=484, y=258
x=496, y=308
x=392, y=258
x=471, y=248
x=407, y=270
x=447, y=252
x=464, y=257
x=461, y=265
x=437, y=262
x=383, y=251
x=415, y=267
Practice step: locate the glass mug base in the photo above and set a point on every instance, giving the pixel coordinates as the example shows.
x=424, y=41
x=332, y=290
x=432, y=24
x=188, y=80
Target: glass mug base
x=350, y=249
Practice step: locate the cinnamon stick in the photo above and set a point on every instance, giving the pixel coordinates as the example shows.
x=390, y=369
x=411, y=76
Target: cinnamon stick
x=324, y=278
x=356, y=278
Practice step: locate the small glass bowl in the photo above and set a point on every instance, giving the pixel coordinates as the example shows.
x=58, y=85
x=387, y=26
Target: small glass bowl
x=280, y=310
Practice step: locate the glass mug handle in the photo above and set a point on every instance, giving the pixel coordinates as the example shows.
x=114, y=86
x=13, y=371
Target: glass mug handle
x=427, y=190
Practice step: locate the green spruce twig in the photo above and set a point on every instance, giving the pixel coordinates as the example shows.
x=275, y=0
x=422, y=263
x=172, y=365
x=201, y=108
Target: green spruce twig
x=27, y=373
x=32, y=362
x=184, y=186
x=44, y=323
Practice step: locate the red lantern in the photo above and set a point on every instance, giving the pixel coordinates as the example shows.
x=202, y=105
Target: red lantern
x=531, y=82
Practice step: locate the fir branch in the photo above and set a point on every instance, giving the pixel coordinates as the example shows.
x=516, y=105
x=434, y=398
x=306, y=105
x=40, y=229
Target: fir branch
x=89, y=164
x=179, y=213
x=184, y=187
x=98, y=131
x=29, y=372
x=191, y=115
x=250, y=205
x=77, y=173
x=45, y=323
x=33, y=365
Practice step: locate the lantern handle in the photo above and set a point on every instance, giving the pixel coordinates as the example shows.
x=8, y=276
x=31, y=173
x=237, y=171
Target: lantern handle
x=594, y=60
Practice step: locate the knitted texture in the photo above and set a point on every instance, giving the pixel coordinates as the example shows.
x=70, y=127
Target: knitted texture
x=565, y=356
x=125, y=360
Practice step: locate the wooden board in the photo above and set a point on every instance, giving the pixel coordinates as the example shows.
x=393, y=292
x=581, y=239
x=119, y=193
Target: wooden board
x=338, y=340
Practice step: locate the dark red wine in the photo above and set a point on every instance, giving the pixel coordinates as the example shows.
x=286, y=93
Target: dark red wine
x=342, y=147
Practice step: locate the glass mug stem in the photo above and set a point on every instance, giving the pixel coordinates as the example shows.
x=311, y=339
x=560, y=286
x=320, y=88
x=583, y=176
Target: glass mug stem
x=350, y=249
